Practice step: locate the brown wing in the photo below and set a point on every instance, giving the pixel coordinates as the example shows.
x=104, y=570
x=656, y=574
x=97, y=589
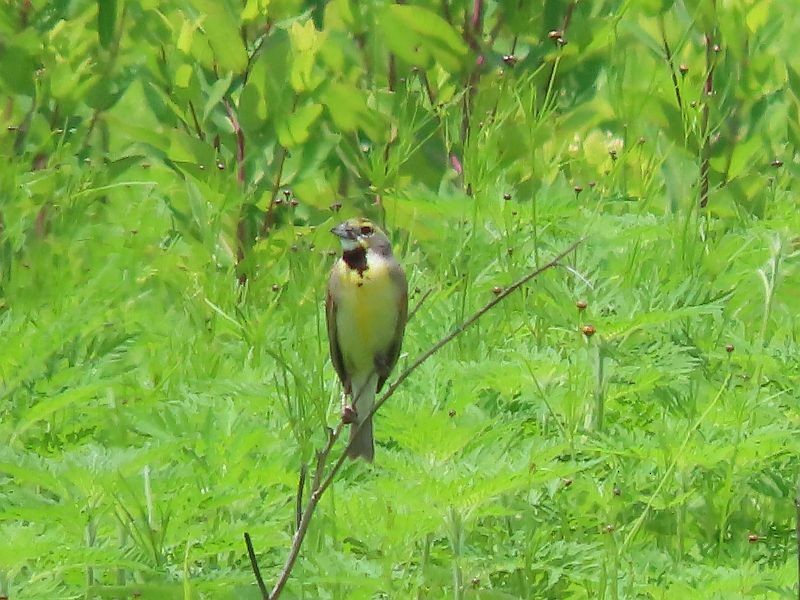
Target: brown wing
x=333, y=339
x=389, y=359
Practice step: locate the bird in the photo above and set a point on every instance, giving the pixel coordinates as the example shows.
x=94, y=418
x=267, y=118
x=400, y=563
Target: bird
x=366, y=310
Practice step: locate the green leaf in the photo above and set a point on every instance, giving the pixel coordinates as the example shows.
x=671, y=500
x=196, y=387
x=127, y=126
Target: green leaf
x=421, y=37
x=349, y=110
x=106, y=21
x=215, y=94
x=44, y=408
x=252, y=112
x=306, y=42
x=223, y=34
x=296, y=129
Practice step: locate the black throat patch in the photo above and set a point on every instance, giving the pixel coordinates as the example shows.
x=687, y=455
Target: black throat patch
x=356, y=259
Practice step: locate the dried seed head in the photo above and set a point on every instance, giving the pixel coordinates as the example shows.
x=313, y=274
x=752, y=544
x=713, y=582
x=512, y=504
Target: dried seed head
x=588, y=330
x=555, y=34
x=581, y=304
x=497, y=290
x=510, y=60
x=753, y=538
x=729, y=348
x=451, y=413
x=276, y=287
x=507, y=196
x=616, y=491
x=294, y=202
x=684, y=68
x=578, y=189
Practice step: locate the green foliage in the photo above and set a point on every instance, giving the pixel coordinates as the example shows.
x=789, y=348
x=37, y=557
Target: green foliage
x=171, y=170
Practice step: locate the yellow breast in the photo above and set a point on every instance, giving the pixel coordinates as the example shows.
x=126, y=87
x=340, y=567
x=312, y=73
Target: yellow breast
x=366, y=312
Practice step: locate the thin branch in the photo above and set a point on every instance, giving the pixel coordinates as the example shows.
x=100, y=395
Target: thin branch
x=299, y=504
x=254, y=564
x=268, y=220
x=797, y=533
x=321, y=484
x=708, y=92
x=242, y=241
x=197, y=128
x=670, y=63
x=419, y=304
x=240, y=174
x=472, y=36
x=560, y=40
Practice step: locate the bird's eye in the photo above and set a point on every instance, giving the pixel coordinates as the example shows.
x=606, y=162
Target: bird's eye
x=366, y=230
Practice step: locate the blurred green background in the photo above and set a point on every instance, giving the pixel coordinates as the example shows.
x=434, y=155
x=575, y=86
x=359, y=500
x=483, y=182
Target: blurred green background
x=170, y=173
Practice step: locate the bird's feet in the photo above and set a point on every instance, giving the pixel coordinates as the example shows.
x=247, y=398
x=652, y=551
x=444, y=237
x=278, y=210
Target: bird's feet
x=349, y=414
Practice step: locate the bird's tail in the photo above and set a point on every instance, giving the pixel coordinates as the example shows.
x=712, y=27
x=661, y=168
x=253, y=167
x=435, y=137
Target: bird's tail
x=361, y=442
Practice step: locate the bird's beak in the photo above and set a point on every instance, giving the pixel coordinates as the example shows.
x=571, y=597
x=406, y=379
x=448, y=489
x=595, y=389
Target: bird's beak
x=344, y=232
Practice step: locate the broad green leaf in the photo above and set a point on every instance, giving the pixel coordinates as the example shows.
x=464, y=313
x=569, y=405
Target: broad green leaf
x=215, y=94
x=184, y=147
x=106, y=21
x=421, y=37
x=255, y=9
x=349, y=110
x=183, y=75
x=297, y=127
x=252, y=111
x=223, y=35
x=305, y=42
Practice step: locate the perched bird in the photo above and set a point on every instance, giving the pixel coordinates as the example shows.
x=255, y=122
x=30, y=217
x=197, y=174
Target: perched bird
x=366, y=309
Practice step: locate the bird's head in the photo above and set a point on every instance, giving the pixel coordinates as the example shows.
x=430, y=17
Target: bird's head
x=361, y=233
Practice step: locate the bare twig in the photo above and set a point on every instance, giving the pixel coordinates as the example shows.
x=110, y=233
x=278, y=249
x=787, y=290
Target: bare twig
x=254, y=564
x=561, y=40
x=299, y=504
x=242, y=241
x=670, y=63
x=797, y=533
x=240, y=174
x=472, y=34
x=708, y=92
x=419, y=304
x=269, y=216
x=198, y=130
x=322, y=482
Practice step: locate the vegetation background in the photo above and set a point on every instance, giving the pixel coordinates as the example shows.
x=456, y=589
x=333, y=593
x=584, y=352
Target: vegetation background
x=170, y=172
